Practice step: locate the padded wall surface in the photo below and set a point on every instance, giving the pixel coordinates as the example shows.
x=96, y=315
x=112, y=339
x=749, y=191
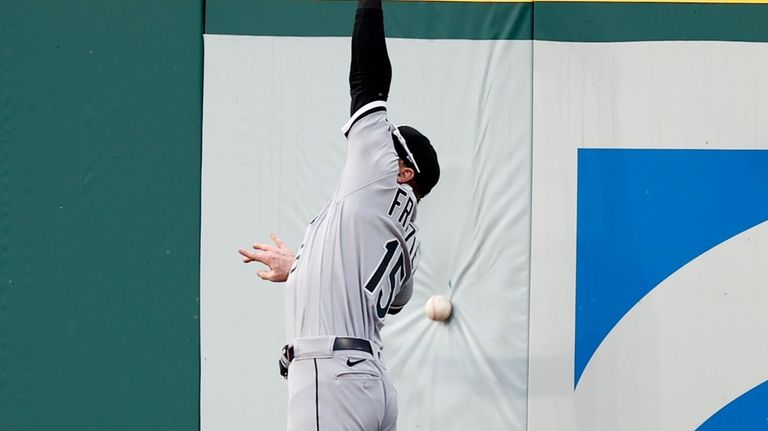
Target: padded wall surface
x=273, y=152
x=272, y=156
x=405, y=19
x=648, y=203
x=100, y=105
x=648, y=288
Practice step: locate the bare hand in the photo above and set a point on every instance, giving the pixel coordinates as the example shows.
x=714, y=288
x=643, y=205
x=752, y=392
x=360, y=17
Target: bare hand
x=279, y=259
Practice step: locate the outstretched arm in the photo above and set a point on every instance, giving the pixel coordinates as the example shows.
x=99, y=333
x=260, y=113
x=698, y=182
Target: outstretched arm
x=370, y=72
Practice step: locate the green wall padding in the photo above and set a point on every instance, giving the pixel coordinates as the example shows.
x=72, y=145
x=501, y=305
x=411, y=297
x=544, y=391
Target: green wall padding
x=416, y=20
x=556, y=21
x=625, y=22
x=100, y=133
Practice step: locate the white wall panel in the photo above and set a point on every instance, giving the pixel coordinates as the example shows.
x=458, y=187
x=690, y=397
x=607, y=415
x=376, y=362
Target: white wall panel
x=689, y=96
x=272, y=153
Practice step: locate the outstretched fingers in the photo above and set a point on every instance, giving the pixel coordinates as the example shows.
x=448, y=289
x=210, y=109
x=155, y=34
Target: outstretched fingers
x=268, y=275
x=252, y=256
x=278, y=259
x=263, y=247
x=278, y=241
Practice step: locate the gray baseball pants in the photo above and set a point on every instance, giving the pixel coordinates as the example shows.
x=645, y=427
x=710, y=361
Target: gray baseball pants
x=342, y=390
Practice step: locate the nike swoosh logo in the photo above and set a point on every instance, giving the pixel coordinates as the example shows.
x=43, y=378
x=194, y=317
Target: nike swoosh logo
x=351, y=363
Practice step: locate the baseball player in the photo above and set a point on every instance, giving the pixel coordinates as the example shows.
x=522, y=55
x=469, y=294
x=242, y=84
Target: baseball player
x=357, y=259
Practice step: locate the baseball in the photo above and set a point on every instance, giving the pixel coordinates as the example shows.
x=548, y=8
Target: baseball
x=438, y=308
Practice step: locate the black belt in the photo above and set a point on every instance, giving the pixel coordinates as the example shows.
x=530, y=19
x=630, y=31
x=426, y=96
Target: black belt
x=340, y=343
x=349, y=343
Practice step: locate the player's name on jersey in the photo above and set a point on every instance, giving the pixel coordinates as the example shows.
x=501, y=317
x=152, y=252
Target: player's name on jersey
x=402, y=207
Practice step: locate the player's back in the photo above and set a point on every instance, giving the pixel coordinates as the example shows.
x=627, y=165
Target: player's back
x=359, y=253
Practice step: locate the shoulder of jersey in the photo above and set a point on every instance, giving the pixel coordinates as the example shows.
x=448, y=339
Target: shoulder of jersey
x=376, y=106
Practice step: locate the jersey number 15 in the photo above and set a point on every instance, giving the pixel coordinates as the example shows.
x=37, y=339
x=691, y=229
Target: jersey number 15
x=396, y=275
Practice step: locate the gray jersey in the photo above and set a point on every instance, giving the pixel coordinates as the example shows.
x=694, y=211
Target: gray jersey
x=359, y=254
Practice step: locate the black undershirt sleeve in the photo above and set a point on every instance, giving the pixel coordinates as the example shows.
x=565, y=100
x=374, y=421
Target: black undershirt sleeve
x=370, y=72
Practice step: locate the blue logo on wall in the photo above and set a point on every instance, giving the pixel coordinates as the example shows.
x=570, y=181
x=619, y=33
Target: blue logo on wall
x=644, y=214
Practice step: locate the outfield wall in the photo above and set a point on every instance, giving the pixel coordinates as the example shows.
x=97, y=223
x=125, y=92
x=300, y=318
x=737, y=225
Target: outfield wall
x=600, y=223
x=647, y=185
x=275, y=100
x=100, y=119
x=650, y=198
